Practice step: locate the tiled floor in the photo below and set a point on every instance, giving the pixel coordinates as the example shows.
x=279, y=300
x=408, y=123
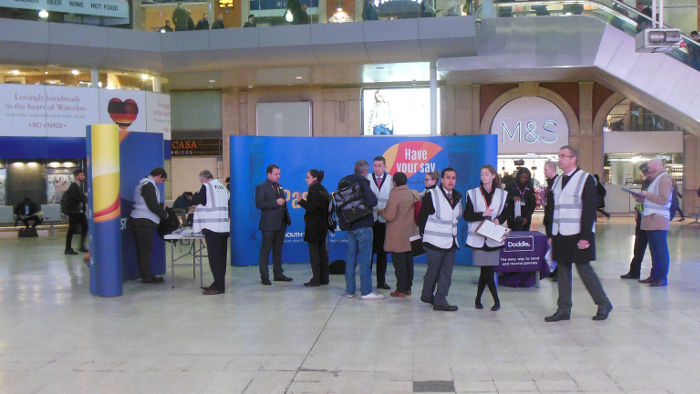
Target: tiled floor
x=56, y=338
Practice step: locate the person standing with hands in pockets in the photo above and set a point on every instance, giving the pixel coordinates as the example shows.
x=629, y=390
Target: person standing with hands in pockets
x=485, y=202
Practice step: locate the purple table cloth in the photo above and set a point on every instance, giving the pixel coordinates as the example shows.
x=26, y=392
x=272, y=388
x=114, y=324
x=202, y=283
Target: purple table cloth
x=521, y=257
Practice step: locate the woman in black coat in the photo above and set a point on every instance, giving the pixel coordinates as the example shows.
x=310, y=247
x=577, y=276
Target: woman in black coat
x=521, y=192
x=316, y=219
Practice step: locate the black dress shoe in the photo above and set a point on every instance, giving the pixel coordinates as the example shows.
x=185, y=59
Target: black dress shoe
x=603, y=313
x=152, y=279
x=70, y=252
x=496, y=306
x=211, y=286
x=478, y=304
x=629, y=275
x=647, y=280
x=83, y=250
x=212, y=292
x=557, y=316
x=426, y=301
x=446, y=308
x=265, y=282
x=312, y=284
x=283, y=278
x=324, y=283
x=383, y=286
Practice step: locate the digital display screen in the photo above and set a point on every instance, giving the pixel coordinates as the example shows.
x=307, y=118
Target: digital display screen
x=397, y=111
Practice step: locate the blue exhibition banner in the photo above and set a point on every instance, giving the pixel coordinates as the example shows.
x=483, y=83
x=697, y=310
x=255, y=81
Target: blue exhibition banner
x=139, y=154
x=336, y=156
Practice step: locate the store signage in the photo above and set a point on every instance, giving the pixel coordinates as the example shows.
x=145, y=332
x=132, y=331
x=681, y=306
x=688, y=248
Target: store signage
x=108, y=8
x=60, y=111
x=530, y=125
x=196, y=147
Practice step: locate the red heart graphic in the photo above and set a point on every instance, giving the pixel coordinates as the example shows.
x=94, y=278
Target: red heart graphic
x=123, y=113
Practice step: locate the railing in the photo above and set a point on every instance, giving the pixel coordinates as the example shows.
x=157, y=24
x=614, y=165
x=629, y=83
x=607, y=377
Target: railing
x=612, y=12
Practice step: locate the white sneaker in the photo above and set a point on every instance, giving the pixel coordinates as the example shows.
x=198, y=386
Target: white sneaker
x=350, y=295
x=372, y=296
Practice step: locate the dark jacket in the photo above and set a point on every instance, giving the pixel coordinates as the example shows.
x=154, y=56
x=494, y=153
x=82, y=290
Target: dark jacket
x=76, y=200
x=526, y=194
x=273, y=217
x=202, y=25
x=182, y=202
x=549, y=207
x=564, y=248
x=471, y=216
x=428, y=209
x=218, y=24
x=180, y=17
x=30, y=209
x=369, y=11
x=370, y=202
x=316, y=216
x=248, y=24
x=148, y=192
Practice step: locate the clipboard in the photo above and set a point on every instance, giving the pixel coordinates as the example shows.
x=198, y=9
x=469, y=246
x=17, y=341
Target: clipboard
x=492, y=231
x=632, y=192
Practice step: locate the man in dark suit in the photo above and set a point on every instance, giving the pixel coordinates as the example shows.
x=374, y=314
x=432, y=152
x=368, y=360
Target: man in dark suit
x=75, y=208
x=274, y=219
x=573, y=235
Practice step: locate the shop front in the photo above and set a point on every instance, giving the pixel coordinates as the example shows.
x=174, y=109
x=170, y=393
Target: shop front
x=530, y=132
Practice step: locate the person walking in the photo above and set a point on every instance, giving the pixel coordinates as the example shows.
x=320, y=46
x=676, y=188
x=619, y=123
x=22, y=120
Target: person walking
x=600, y=189
x=315, y=203
x=573, y=235
x=74, y=205
x=486, y=202
x=400, y=227
x=437, y=222
x=211, y=219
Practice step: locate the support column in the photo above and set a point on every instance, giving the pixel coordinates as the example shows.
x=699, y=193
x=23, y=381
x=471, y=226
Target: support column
x=230, y=125
x=691, y=175
x=590, y=142
x=94, y=78
x=245, y=11
x=475, y=108
x=156, y=81
x=433, y=98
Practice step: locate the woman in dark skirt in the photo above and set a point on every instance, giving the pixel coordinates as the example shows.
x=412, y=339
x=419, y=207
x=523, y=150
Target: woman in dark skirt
x=486, y=202
x=316, y=219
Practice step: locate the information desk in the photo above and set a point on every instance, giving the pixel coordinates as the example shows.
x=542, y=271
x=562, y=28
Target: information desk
x=195, y=249
x=524, y=251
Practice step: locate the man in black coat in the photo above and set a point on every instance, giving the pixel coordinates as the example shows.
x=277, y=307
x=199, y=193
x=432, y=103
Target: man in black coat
x=520, y=192
x=26, y=212
x=577, y=248
x=203, y=23
x=274, y=219
x=74, y=207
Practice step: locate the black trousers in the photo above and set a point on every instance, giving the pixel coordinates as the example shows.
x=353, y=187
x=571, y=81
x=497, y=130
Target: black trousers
x=379, y=233
x=318, y=256
x=640, y=247
x=271, y=240
x=403, y=267
x=143, y=235
x=217, y=247
x=75, y=221
x=486, y=279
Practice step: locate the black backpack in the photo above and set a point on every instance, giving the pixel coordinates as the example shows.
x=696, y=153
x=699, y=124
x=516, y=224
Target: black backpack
x=350, y=202
x=332, y=218
x=170, y=224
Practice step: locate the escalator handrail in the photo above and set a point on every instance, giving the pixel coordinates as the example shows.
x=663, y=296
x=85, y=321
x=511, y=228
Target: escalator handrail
x=595, y=3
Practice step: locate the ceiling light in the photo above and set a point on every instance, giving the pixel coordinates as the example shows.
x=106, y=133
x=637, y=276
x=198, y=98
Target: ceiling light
x=46, y=73
x=250, y=86
x=43, y=14
x=144, y=77
x=75, y=72
x=212, y=80
x=299, y=77
x=14, y=72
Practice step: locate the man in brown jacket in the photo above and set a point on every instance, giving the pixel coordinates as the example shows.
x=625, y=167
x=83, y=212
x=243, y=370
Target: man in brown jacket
x=400, y=226
x=655, y=221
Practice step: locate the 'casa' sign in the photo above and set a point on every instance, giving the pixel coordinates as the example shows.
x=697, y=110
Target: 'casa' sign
x=530, y=125
x=196, y=147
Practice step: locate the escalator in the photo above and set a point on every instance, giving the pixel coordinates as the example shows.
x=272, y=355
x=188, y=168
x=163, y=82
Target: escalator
x=548, y=40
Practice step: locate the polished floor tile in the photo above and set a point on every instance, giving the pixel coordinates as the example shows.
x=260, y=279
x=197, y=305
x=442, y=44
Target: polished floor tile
x=57, y=338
